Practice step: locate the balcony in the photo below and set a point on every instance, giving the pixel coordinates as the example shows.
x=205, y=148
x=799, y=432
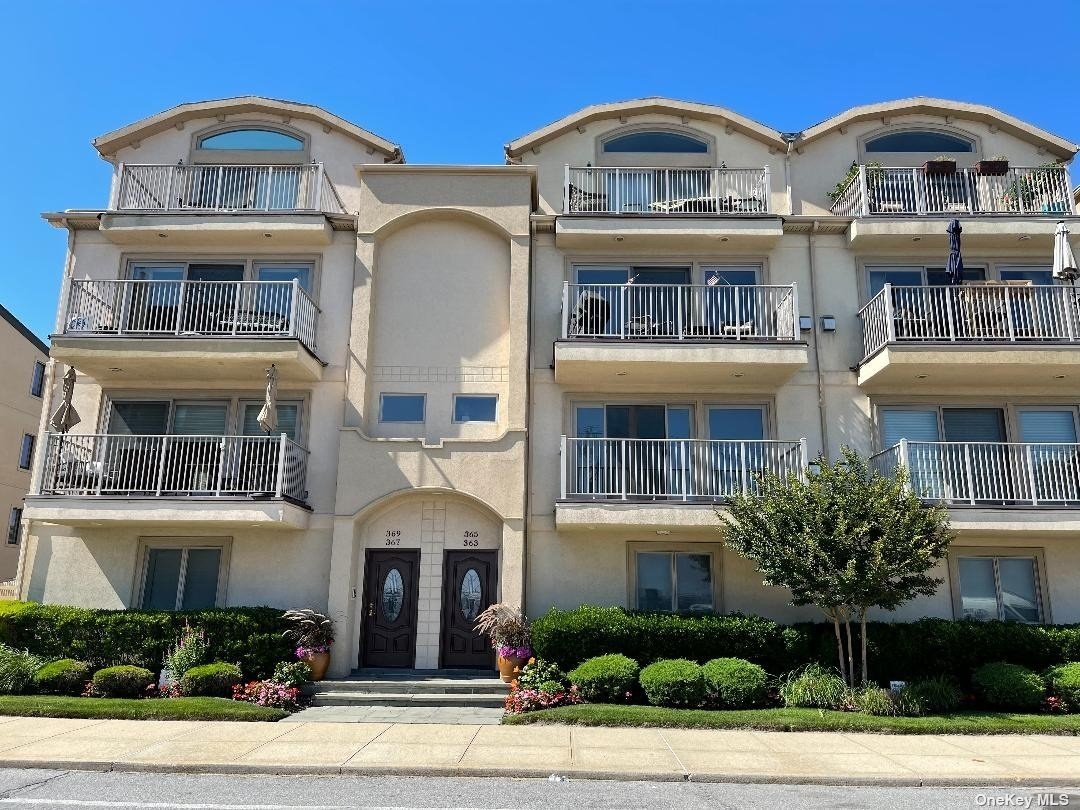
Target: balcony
x=995, y=336
x=625, y=335
x=97, y=479
x=663, y=482
x=123, y=329
x=655, y=207
x=232, y=203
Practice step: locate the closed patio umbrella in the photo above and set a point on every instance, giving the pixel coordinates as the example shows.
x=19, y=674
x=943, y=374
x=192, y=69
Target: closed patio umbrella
x=268, y=415
x=954, y=270
x=65, y=417
x=1065, y=267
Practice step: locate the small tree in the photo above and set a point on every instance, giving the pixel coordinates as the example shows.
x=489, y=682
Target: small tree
x=843, y=538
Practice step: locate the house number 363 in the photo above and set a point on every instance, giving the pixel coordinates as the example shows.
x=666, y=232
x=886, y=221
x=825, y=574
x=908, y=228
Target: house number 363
x=471, y=539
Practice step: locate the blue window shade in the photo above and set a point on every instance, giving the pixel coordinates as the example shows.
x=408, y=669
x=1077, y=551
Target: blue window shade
x=139, y=418
x=973, y=424
x=913, y=425
x=162, y=578
x=474, y=408
x=1036, y=275
x=402, y=408
x=655, y=590
x=919, y=141
x=199, y=419
x=1047, y=426
x=201, y=578
x=288, y=416
x=252, y=139
x=671, y=142
x=736, y=423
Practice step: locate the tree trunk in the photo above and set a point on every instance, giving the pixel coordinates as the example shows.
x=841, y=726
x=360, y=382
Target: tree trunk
x=850, y=651
x=839, y=644
x=862, y=638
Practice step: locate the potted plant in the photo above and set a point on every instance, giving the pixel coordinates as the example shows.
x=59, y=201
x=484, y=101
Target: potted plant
x=996, y=166
x=942, y=164
x=508, y=630
x=313, y=634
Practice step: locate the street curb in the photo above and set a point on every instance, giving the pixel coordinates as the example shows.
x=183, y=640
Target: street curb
x=248, y=769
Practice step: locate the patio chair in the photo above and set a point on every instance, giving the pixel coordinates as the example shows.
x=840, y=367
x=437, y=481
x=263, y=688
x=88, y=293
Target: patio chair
x=590, y=315
x=581, y=200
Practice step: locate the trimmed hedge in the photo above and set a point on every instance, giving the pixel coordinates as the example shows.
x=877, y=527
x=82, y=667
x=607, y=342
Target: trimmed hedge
x=605, y=678
x=123, y=681
x=1009, y=686
x=1064, y=681
x=211, y=680
x=63, y=677
x=250, y=636
x=674, y=682
x=897, y=650
x=735, y=683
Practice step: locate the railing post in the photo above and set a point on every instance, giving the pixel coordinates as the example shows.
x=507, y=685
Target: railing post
x=969, y=473
x=920, y=192
x=236, y=307
x=794, y=311
x=317, y=202
x=220, y=466
x=218, y=189
x=767, y=195
x=566, y=189
x=1029, y=458
x=294, y=304
x=117, y=189
x=1069, y=305
x=1019, y=191
x=1009, y=320
x=902, y=460
x=804, y=459
x=950, y=312
x=169, y=188
x=564, y=461
x=163, y=449
x=625, y=476
x=180, y=307
x=126, y=288
x=282, y=448
x=617, y=208
x=864, y=195
x=565, y=309
x=890, y=317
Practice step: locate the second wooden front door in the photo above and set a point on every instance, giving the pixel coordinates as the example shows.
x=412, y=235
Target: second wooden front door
x=390, y=601
x=470, y=579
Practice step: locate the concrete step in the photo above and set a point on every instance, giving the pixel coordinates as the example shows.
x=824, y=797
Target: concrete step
x=430, y=686
x=413, y=699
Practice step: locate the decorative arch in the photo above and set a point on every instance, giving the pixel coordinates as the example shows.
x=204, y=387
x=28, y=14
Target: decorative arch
x=391, y=500
x=248, y=155
x=443, y=213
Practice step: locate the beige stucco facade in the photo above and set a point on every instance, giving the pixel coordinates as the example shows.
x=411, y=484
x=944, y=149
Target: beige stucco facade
x=434, y=284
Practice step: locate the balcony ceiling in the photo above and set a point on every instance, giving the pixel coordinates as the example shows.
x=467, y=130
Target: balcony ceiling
x=1020, y=232
x=174, y=513
x=234, y=231
x=709, y=232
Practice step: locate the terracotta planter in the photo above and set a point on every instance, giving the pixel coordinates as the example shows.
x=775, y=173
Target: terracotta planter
x=940, y=167
x=992, y=168
x=318, y=664
x=508, y=665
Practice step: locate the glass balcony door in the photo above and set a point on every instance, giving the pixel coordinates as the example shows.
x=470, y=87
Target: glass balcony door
x=1055, y=467
x=210, y=307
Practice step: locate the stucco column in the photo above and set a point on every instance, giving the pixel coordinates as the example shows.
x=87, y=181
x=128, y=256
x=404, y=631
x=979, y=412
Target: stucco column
x=341, y=598
x=513, y=547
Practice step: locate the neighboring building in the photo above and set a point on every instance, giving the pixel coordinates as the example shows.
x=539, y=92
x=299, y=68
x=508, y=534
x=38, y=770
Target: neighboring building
x=23, y=360
x=659, y=295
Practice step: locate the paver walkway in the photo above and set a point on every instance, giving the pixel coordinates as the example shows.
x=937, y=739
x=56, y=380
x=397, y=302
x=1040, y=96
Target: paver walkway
x=626, y=753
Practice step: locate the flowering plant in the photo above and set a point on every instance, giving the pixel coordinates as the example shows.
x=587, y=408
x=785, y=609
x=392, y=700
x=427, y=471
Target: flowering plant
x=310, y=650
x=508, y=651
x=547, y=697
x=268, y=693
x=309, y=629
x=505, y=626
x=1055, y=705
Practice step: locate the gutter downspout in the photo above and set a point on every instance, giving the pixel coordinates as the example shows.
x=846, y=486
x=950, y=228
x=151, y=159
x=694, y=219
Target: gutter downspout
x=811, y=244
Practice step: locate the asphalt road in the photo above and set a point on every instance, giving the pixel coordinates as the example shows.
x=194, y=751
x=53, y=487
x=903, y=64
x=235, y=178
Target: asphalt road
x=41, y=790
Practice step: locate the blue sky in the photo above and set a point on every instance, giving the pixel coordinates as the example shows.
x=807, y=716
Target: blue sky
x=486, y=72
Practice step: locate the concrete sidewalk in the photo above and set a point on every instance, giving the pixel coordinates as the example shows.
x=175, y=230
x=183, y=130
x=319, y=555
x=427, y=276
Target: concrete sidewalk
x=538, y=751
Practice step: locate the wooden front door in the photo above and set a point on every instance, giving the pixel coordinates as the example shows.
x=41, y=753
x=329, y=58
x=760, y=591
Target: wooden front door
x=390, y=594
x=470, y=579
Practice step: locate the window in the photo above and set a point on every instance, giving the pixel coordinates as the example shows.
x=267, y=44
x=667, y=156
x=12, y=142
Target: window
x=14, y=525
x=673, y=581
x=402, y=407
x=37, y=382
x=919, y=140
x=474, y=407
x=669, y=142
x=917, y=277
x=1005, y=588
x=252, y=140
x=181, y=577
x=26, y=452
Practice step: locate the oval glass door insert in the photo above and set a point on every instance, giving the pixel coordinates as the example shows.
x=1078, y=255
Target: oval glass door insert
x=393, y=595
x=472, y=592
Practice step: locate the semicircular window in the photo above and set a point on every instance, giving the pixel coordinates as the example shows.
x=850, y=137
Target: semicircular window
x=254, y=140
x=659, y=141
x=393, y=595
x=472, y=593
x=919, y=140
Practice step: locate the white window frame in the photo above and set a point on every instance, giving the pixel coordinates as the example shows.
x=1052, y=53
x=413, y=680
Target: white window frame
x=35, y=381
x=996, y=554
x=453, y=406
x=184, y=544
x=712, y=550
x=385, y=394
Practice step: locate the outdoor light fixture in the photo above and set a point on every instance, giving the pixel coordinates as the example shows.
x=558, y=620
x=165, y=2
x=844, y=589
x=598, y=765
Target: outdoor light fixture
x=806, y=323
x=828, y=323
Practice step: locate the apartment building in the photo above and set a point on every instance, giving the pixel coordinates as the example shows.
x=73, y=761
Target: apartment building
x=22, y=365
x=535, y=382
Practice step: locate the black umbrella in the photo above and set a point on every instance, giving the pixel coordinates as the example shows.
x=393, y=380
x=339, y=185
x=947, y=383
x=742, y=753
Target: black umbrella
x=954, y=270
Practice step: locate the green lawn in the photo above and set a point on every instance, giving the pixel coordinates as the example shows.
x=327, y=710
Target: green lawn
x=194, y=708
x=596, y=714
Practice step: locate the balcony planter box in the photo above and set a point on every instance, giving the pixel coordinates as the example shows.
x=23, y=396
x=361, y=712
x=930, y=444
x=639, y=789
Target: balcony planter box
x=992, y=168
x=935, y=167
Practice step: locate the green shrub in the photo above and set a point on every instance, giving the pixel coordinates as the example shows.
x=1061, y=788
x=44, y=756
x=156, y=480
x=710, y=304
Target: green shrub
x=250, y=636
x=734, y=683
x=674, y=682
x=1008, y=686
x=872, y=699
x=1064, y=681
x=605, y=678
x=538, y=672
x=814, y=687
x=17, y=668
x=64, y=677
x=123, y=681
x=292, y=673
x=550, y=687
x=938, y=695
x=211, y=680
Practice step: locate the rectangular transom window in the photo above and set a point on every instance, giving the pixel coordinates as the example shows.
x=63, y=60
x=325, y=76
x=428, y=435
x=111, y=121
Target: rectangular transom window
x=1005, y=588
x=402, y=408
x=26, y=451
x=674, y=581
x=181, y=577
x=37, y=382
x=475, y=407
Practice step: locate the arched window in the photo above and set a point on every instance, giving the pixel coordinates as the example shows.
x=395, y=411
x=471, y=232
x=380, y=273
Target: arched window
x=656, y=141
x=919, y=140
x=253, y=140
